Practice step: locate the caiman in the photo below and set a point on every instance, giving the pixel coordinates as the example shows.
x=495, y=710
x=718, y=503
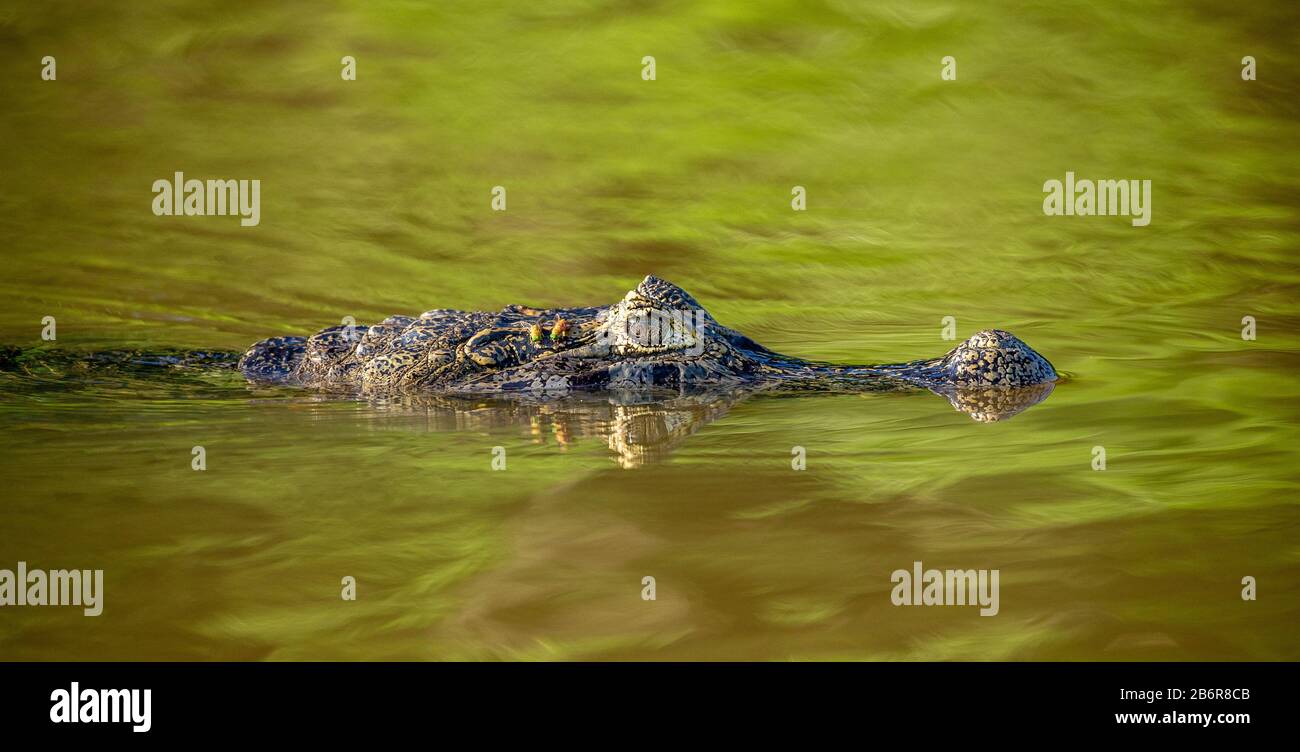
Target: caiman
x=657, y=337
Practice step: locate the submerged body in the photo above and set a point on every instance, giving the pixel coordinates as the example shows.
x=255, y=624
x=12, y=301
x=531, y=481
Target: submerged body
x=656, y=337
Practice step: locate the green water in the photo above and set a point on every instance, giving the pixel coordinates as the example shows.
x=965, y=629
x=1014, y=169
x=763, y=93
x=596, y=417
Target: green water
x=924, y=201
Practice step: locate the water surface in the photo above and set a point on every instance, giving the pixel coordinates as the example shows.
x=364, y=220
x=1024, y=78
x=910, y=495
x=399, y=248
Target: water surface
x=924, y=201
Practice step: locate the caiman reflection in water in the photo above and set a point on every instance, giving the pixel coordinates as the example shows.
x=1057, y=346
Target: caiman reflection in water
x=639, y=428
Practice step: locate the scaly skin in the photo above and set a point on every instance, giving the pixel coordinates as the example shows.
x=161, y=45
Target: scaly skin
x=608, y=348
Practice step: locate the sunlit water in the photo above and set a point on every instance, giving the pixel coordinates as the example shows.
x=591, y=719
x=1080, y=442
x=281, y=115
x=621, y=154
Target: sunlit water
x=924, y=201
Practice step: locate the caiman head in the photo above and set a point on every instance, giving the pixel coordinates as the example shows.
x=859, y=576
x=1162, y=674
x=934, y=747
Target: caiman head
x=656, y=336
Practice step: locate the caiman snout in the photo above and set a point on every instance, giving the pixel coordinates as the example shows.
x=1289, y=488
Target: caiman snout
x=997, y=358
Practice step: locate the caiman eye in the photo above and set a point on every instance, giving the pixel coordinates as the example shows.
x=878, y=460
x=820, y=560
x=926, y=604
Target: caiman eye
x=535, y=333
x=559, y=330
